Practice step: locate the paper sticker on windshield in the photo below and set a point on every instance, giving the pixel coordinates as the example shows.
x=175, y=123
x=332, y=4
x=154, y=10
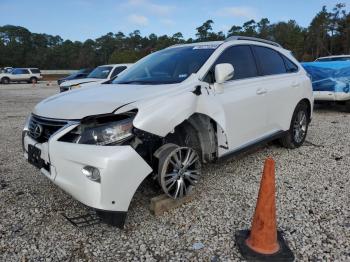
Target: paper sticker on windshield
x=205, y=47
x=182, y=75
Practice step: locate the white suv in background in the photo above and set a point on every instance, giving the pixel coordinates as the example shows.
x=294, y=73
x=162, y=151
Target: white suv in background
x=169, y=113
x=99, y=75
x=29, y=75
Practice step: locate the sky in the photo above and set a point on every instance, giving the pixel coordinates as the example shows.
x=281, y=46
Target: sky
x=84, y=19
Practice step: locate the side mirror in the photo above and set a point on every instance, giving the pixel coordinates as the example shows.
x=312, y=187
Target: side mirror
x=223, y=72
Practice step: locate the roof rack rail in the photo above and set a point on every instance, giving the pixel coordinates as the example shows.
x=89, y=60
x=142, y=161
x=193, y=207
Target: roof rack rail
x=237, y=37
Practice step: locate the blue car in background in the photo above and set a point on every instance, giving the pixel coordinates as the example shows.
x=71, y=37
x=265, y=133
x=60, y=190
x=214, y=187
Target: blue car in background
x=330, y=79
x=82, y=73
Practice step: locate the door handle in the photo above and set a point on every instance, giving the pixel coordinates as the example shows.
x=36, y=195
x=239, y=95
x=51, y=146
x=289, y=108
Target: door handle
x=261, y=91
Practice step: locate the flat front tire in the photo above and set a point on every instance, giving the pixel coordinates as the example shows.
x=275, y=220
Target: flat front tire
x=179, y=171
x=179, y=167
x=297, y=132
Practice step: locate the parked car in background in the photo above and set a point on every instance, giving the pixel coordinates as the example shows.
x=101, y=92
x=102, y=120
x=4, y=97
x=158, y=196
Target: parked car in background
x=98, y=75
x=331, y=79
x=169, y=113
x=333, y=58
x=29, y=75
x=82, y=73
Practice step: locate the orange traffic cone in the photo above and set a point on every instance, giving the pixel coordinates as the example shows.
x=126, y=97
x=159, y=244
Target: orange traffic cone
x=263, y=242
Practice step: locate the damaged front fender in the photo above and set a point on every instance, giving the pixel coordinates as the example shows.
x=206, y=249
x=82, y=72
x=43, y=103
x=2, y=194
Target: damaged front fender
x=161, y=115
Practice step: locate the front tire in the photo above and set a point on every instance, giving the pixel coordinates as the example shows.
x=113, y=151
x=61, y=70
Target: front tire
x=297, y=132
x=5, y=80
x=179, y=171
x=179, y=166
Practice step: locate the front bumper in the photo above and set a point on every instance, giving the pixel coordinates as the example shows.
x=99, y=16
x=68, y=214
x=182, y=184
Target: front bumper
x=121, y=168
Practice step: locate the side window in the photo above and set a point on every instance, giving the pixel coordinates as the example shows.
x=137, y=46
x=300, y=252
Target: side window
x=24, y=71
x=270, y=61
x=35, y=71
x=16, y=71
x=242, y=60
x=118, y=70
x=291, y=67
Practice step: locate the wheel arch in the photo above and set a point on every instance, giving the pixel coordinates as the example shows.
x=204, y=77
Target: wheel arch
x=33, y=77
x=4, y=77
x=309, y=107
x=206, y=130
x=163, y=115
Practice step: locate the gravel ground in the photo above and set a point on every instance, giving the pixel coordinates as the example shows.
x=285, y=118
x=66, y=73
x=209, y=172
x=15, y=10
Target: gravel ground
x=312, y=189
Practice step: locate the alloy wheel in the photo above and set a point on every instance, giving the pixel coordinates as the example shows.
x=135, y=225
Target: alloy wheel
x=180, y=172
x=300, y=126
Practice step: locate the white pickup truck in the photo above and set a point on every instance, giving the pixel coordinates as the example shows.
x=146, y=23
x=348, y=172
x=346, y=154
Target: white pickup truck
x=99, y=75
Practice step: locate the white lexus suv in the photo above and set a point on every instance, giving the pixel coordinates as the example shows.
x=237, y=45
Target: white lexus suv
x=166, y=115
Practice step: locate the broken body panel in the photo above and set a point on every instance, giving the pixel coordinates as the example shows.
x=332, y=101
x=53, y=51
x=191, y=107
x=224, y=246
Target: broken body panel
x=231, y=118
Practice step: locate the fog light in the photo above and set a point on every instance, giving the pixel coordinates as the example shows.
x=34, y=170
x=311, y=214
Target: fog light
x=92, y=173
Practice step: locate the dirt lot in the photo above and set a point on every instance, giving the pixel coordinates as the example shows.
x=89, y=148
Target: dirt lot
x=312, y=188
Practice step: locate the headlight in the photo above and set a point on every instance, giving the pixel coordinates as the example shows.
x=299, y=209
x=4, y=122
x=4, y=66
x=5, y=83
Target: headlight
x=106, y=133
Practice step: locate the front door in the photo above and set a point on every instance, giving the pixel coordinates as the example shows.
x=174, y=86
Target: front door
x=243, y=98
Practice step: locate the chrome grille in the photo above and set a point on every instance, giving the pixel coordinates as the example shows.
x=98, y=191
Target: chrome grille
x=41, y=128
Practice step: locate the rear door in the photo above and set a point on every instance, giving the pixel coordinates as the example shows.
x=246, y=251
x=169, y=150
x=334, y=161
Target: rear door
x=244, y=105
x=36, y=72
x=24, y=74
x=280, y=80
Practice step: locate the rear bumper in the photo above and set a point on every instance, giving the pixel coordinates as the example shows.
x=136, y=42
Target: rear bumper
x=121, y=168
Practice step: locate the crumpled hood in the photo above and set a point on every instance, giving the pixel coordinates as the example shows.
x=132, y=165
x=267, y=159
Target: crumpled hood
x=79, y=103
x=81, y=81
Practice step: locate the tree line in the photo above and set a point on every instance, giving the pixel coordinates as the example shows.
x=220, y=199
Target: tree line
x=327, y=34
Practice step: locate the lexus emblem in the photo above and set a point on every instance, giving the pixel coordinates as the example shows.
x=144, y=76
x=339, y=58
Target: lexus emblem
x=37, y=131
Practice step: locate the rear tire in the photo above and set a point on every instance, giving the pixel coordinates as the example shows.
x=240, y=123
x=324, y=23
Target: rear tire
x=347, y=106
x=5, y=81
x=33, y=80
x=297, y=132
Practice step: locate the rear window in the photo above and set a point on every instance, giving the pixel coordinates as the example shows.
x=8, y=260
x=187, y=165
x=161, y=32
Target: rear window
x=35, y=71
x=291, y=67
x=270, y=61
x=19, y=71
